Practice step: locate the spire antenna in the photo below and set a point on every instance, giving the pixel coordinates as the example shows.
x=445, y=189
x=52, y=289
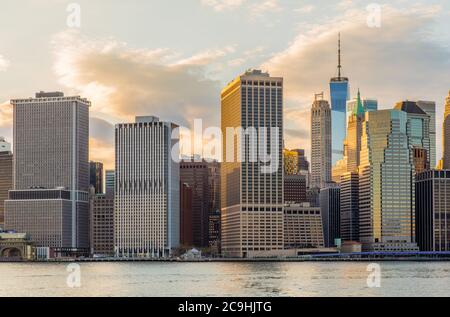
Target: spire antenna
x=339, y=56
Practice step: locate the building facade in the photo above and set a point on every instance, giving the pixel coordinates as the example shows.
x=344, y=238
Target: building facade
x=433, y=210
x=110, y=183
x=96, y=176
x=429, y=107
x=50, y=198
x=320, y=143
x=350, y=206
x=102, y=225
x=295, y=189
x=252, y=194
x=386, y=183
x=446, y=135
x=330, y=207
x=147, y=191
x=302, y=227
x=186, y=203
x=6, y=175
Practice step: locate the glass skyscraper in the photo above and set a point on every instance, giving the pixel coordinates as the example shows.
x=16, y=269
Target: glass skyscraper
x=339, y=94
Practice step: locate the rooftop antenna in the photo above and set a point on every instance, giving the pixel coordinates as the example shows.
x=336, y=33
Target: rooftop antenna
x=339, y=56
x=316, y=96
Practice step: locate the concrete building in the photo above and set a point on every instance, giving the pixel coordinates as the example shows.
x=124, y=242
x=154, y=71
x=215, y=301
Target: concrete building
x=350, y=206
x=147, y=193
x=295, y=189
x=290, y=162
x=446, y=135
x=302, y=227
x=186, y=203
x=50, y=198
x=214, y=208
x=6, y=175
x=320, y=143
x=102, y=225
x=433, y=210
x=96, y=176
x=386, y=183
x=330, y=207
x=252, y=193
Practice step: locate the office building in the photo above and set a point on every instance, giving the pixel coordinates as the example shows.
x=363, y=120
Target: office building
x=214, y=208
x=50, y=198
x=251, y=192
x=186, y=203
x=339, y=94
x=110, y=183
x=429, y=107
x=96, y=176
x=446, y=135
x=102, y=225
x=367, y=104
x=349, y=206
x=290, y=162
x=196, y=175
x=147, y=197
x=302, y=227
x=6, y=175
x=330, y=207
x=320, y=142
x=433, y=210
x=386, y=183
x=295, y=189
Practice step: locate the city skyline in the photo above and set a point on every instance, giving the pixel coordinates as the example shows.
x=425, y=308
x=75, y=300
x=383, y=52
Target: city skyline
x=187, y=74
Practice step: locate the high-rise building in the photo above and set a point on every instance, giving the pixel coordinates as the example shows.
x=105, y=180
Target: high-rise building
x=290, y=162
x=102, y=225
x=367, y=104
x=96, y=176
x=320, y=143
x=295, y=189
x=302, y=227
x=186, y=203
x=330, y=207
x=418, y=131
x=303, y=164
x=339, y=94
x=386, y=183
x=350, y=206
x=429, y=107
x=147, y=197
x=196, y=176
x=354, y=133
x=214, y=208
x=446, y=135
x=110, y=181
x=6, y=175
x=251, y=193
x=433, y=210
x=50, y=199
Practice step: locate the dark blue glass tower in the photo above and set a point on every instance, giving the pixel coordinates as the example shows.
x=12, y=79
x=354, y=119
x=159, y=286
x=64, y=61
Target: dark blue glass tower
x=339, y=94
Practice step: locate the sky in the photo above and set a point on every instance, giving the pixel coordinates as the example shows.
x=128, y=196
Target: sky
x=171, y=58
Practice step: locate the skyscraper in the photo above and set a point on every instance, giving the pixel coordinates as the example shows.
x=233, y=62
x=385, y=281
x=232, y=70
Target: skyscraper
x=186, y=203
x=429, y=107
x=418, y=131
x=110, y=181
x=290, y=162
x=102, y=225
x=251, y=196
x=339, y=94
x=147, y=201
x=96, y=176
x=196, y=176
x=51, y=171
x=214, y=207
x=6, y=175
x=295, y=189
x=386, y=183
x=320, y=143
x=350, y=206
x=367, y=104
x=446, y=135
x=330, y=207
x=433, y=210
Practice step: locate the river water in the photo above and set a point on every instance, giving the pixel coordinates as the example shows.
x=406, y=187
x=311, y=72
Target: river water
x=226, y=279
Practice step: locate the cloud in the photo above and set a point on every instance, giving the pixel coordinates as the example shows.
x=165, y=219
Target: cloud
x=305, y=9
x=397, y=61
x=223, y=5
x=4, y=63
x=260, y=8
